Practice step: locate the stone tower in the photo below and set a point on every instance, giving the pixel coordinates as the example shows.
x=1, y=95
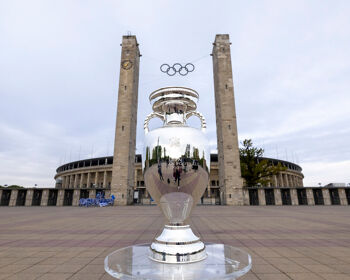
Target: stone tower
x=125, y=132
x=230, y=180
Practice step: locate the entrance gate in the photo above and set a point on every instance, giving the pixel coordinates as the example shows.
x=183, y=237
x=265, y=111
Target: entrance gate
x=37, y=197
x=302, y=198
x=21, y=197
x=347, y=192
x=253, y=197
x=84, y=194
x=318, y=197
x=52, y=200
x=334, y=194
x=68, y=198
x=286, y=199
x=5, y=198
x=269, y=197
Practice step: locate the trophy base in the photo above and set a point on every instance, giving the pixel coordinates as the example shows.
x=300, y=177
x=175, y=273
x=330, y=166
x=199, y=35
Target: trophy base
x=222, y=262
x=177, y=244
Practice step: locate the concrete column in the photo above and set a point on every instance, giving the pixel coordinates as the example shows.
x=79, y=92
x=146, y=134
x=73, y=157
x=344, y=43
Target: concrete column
x=285, y=180
x=278, y=198
x=310, y=197
x=326, y=197
x=76, y=195
x=64, y=182
x=245, y=197
x=29, y=198
x=92, y=193
x=109, y=179
x=294, y=196
x=69, y=181
x=284, y=183
x=209, y=190
x=261, y=196
x=105, y=179
x=280, y=180
x=75, y=181
x=275, y=180
x=297, y=181
x=235, y=197
x=96, y=179
x=60, y=197
x=44, y=197
x=13, y=198
x=342, y=197
x=81, y=180
x=88, y=180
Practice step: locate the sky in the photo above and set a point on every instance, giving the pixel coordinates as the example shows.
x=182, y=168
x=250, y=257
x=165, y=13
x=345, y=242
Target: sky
x=59, y=71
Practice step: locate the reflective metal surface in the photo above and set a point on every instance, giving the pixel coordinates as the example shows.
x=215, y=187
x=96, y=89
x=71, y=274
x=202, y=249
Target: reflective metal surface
x=223, y=262
x=176, y=171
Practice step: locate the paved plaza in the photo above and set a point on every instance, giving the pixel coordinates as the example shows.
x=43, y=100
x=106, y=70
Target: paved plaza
x=286, y=242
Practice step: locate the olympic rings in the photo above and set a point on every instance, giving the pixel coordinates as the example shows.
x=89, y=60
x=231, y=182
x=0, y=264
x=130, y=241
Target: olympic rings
x=177, y=68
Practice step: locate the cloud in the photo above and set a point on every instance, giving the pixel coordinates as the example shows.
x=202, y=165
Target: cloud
x=60, y=66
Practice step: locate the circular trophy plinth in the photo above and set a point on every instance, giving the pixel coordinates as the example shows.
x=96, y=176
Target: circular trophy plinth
x=222, y=262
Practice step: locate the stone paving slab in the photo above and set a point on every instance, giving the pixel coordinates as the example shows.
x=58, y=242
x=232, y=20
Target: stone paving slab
x=286, y=242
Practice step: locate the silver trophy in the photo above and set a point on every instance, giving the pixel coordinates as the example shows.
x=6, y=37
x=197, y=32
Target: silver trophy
x=176, y=167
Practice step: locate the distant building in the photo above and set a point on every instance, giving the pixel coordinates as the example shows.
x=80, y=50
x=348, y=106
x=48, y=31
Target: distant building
x=335, y=185
x=96, y=173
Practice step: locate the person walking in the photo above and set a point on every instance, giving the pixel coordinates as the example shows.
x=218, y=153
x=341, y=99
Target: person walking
x=160, y=172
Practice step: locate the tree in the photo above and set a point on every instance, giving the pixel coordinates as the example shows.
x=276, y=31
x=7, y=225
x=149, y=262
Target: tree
x=255, y=169
x=12, y=187
x=195, y=153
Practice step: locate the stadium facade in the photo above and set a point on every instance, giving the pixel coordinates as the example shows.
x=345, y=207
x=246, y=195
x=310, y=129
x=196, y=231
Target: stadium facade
x=96, y=174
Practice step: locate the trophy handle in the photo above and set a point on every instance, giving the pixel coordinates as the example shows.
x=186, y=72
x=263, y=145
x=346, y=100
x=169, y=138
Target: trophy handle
x=201, y=118
x=148, y=118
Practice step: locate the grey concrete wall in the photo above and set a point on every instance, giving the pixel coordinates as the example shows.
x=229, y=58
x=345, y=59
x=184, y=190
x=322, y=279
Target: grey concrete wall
x=310, y=197
x=60, y=197
x=13, y=198
x=44, y=197
x=326, y=197
x=278, y=198
x=76, y=196
x=294, y=196
x=245, y=195
x=92, y=193
x=261, y=195
x=29, y=197
x=342, y=197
